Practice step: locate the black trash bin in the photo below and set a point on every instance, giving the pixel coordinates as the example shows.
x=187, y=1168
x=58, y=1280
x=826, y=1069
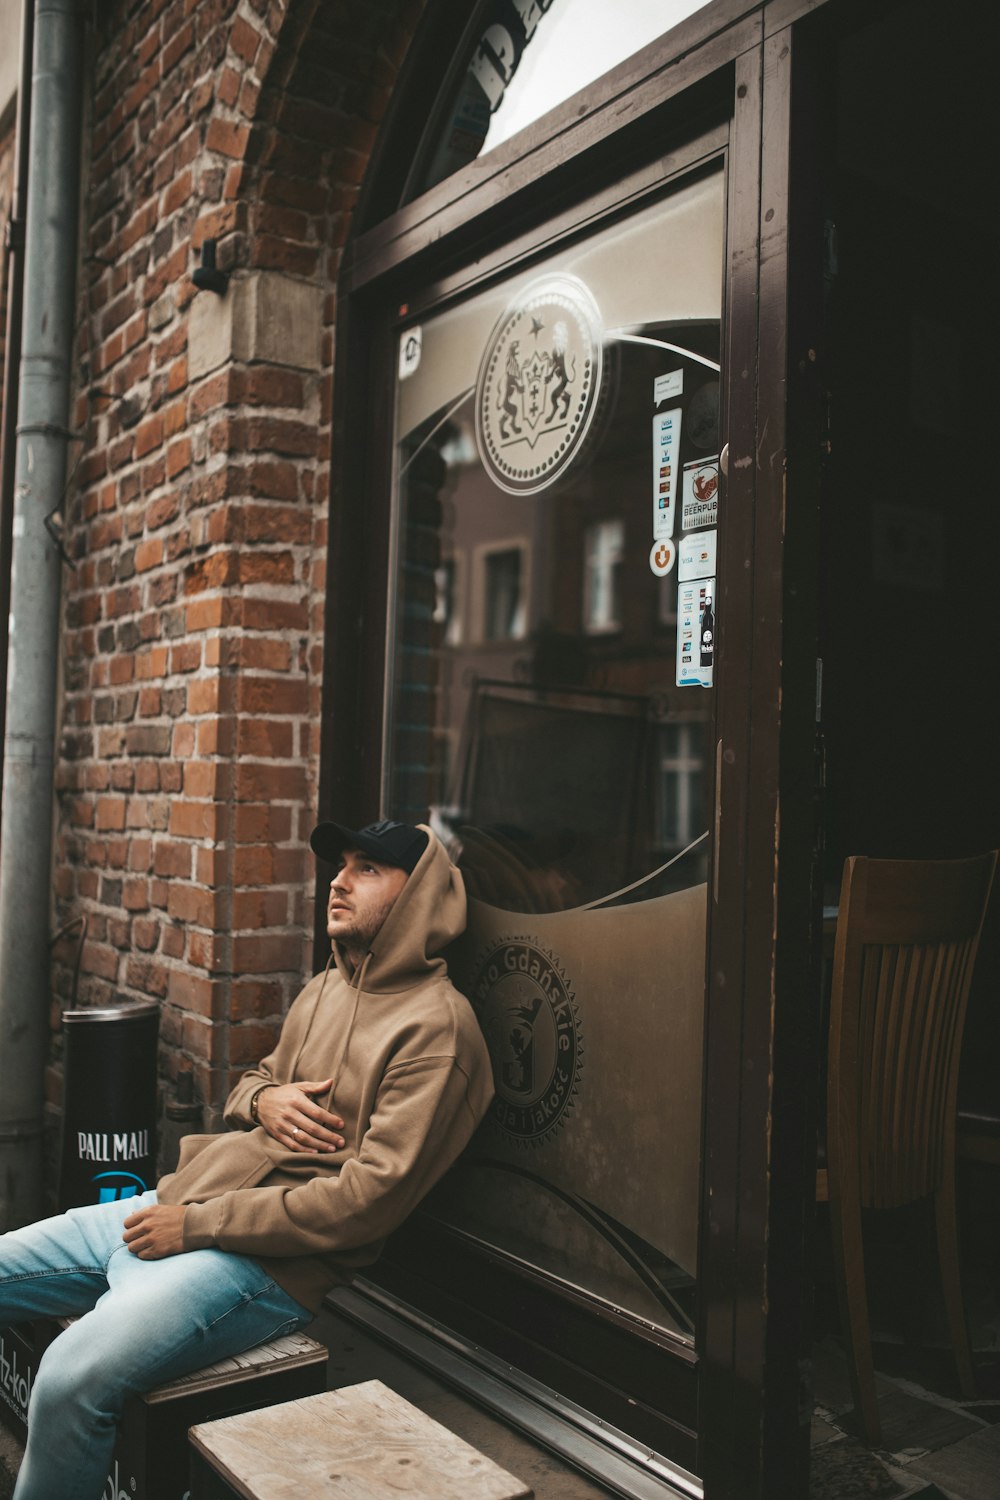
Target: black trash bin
x=109, y=1103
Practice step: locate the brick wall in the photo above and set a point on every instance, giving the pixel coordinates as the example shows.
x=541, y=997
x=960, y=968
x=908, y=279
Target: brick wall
x=197, y=521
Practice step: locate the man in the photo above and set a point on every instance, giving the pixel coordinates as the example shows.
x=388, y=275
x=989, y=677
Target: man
x=378, y=1080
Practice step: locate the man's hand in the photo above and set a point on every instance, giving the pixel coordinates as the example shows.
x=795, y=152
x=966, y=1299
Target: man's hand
x=288, y=1113
x=155, y=1232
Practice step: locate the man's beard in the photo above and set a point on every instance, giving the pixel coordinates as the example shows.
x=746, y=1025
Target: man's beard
x=357, y=938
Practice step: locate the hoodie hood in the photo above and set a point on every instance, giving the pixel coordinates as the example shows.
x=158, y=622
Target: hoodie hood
x=428, y=914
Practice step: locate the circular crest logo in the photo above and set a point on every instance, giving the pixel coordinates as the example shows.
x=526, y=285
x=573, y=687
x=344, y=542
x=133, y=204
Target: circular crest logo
x=538, y=385
x=529, y=1017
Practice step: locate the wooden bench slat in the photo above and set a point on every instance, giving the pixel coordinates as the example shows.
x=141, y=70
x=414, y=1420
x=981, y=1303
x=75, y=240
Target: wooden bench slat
x=290, y=1352
x=363, y=1442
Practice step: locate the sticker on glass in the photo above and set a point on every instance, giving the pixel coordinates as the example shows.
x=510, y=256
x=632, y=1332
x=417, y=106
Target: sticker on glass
x=696, y=555
x=666, y=448
x=538, y=384
x=410, y=344
x=695, y=632
x=662, y=557
x=665, y=386
x=700, y=494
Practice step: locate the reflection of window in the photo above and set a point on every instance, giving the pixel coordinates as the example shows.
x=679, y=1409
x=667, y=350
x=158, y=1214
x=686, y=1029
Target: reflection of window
x=504, y=593
x=680, y=783
x=604, y=549
x=448, y=602
x=521, y=68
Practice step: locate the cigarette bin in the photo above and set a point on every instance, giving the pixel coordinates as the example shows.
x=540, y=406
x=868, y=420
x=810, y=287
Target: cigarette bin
x=109, y=1103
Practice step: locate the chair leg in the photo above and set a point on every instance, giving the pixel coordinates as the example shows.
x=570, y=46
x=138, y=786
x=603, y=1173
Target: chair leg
x=946, y=1223
x=852, y=1294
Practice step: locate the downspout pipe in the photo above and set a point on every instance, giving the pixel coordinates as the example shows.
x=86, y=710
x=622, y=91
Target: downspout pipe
x=39, y=485
x=14, y=271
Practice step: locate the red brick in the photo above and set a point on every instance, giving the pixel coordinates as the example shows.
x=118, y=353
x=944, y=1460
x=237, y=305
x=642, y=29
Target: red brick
x=203, y=778
x=172, y=860
x=135, y=895
x=178, y=457
x=269, y=782
x=148, y=435
x=253, y=865
x=254, y=999
x=249, y=1043
x=146, y=934
x=99, y=959
x=181, y=41
x=228, y=87
x=190, y=903
x=176, y=194
x=186, y=657
x=147, y=975
x=267, y=737
x=194, y=820
x=261, y=824
x=193, y=992
x=226, y=137
x=204, y=695
x=267, y=953
x=110, y=813
x=244, y=40
x=148, y=555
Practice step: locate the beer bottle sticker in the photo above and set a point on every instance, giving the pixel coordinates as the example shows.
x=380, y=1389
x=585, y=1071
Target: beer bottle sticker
x=695, y=632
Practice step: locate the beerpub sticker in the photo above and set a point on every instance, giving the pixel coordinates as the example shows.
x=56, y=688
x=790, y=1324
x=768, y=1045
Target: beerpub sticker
x=700, y=494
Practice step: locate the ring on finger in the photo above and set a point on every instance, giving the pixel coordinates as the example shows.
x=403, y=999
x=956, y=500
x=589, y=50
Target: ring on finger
x=296, y=1131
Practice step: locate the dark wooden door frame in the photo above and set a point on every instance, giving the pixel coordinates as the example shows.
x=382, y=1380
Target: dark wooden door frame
x=762, y=1039
x=753, y=1329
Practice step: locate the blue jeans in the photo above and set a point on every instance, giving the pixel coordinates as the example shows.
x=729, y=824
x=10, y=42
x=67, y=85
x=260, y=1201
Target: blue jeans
x=140, y=1323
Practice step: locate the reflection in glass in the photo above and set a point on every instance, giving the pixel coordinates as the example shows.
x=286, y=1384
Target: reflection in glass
x=531, y=55
x=535, y=719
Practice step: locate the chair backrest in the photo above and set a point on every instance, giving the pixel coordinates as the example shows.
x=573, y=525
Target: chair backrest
x=907, y=935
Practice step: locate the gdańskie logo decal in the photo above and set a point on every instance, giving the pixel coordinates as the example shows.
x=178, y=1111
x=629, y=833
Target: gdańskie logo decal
x=528, y=1014
x=538, y=385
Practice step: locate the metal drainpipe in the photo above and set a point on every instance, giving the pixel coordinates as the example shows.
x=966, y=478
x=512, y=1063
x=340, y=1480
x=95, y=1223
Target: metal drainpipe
x=39, y=481
x=12, y=338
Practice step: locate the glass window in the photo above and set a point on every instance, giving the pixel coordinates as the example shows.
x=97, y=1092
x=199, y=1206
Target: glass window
x=560, y=433
x=529, y=56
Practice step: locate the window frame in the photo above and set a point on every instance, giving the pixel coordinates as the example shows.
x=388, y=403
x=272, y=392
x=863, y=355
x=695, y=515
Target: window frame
x=470, y=228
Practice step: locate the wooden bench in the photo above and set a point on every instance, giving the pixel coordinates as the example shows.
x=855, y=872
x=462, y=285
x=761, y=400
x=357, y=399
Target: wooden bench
x=360, y=1443
x=151, y=1454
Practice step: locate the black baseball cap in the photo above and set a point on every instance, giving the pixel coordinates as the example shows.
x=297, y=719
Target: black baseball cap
x=389, y=843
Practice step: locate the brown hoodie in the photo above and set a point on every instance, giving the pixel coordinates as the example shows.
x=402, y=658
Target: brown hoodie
x=412, y=1080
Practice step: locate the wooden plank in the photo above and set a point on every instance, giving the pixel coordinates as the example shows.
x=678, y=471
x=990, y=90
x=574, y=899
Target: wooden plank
x=360, y=1443
x=289, y=1352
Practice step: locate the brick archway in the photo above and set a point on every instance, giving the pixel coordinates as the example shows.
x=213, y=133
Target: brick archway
x=197, y=521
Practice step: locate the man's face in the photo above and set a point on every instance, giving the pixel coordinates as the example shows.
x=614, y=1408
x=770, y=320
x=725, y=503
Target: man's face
x=362, y=894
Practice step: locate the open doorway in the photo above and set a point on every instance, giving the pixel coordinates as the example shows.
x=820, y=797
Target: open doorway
x=909, y=644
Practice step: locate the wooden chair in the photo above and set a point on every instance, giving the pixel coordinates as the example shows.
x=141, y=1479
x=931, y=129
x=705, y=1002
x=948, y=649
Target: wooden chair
x=906, y=940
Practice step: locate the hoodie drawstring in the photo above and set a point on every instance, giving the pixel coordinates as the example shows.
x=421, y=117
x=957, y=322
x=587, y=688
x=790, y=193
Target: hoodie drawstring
x=357, y=985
